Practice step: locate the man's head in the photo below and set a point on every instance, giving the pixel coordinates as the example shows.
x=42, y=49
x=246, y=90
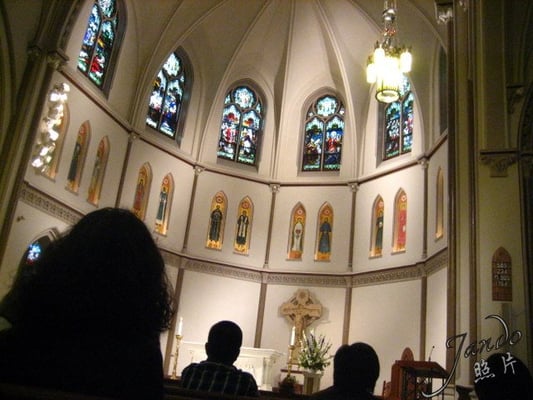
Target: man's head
x=224, y=342
x=355, y=367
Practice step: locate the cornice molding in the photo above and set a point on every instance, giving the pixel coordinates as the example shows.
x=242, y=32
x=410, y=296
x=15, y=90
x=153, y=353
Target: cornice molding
x=48, y=204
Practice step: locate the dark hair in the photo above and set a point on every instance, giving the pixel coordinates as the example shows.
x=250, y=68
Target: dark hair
x=224, y=342
x=503, y=377
x=105, y=273
x=355, y=367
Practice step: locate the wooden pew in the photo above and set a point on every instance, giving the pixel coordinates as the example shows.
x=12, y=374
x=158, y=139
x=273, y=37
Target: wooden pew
x=172, y=392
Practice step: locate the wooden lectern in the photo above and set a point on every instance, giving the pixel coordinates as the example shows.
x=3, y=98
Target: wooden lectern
x=409, y=378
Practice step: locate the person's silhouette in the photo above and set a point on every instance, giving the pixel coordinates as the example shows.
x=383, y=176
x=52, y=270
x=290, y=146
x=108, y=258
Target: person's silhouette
x=217, y=374
x=355, y=371
x=89, y=318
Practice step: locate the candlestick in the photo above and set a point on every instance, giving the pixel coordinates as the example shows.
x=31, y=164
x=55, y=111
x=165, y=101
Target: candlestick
x=180, y=327
x=289, y=360
x=293, y=336
x=176, y=354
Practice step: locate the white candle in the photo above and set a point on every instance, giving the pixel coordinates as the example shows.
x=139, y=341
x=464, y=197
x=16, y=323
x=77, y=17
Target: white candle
x=180, y=326
x=293, y=336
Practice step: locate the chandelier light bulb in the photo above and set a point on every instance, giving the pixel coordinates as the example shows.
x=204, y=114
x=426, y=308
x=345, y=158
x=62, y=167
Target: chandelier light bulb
x=406, y=59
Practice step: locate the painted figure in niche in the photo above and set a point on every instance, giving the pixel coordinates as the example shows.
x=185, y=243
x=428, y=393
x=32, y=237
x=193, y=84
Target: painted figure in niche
x=216, y=223
x=165, y=200
x=97, y=177
x=296, y=240
x=401, y=228
x=325, y=229
x=215, y=233
x=243, y=227
x=78, y=157
x=142, y=189
x=325, y=232
x=377, y=246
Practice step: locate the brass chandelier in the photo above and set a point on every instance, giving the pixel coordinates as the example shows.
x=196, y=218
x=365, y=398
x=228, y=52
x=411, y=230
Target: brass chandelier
x=388, y=62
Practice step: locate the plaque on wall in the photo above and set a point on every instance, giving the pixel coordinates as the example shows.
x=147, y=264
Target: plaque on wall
x=502, y=284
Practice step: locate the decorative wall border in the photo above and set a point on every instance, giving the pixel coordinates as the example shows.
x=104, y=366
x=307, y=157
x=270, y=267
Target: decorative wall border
x=341, y=280
x=48, y=204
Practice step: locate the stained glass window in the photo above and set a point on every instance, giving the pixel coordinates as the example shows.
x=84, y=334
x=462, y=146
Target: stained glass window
x=165, y=107
x=242, y=123
x=35, y=250
x=99, y=40
x=324, y=132
x=398, y=124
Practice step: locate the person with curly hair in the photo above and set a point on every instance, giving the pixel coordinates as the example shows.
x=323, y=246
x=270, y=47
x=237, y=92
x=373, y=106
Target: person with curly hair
x=89, y=319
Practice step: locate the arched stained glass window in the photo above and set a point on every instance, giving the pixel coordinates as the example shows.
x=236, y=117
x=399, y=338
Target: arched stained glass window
x=165, y=107
x=324, y=132
x=101, y=37
x=398, y=124
x=241, y=127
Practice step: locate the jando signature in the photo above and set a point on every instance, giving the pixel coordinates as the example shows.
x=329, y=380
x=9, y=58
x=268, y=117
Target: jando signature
x=507, y=338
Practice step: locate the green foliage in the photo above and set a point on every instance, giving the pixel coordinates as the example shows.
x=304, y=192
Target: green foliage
x=314, y=353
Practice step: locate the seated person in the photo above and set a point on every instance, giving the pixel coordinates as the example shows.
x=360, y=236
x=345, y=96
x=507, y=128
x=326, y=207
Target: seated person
x=88, y=319
x=217, y=374
x=355, y=371
x=502, y=376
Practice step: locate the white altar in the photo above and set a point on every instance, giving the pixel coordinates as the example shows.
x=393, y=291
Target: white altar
x=259, y=362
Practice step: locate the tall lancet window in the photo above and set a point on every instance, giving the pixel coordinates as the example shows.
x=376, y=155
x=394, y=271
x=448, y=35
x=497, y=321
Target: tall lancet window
x=241, y=127
x=398, y=124
x=97, y=177
x=101, y=41
x=142, y=191
x=297, y=232
x=78, y=157
x=217, y=221
x=243, y=227
x=324, y=132
x=376, y=241
x=324, y=233
x=166, y=192
x=439, y=206
x=400, y=222
x=168, y=97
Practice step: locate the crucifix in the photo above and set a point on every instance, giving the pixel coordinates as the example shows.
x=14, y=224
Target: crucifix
x=301, y=310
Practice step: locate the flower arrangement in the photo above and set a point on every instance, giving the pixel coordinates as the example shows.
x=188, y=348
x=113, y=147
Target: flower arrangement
x=314, y=353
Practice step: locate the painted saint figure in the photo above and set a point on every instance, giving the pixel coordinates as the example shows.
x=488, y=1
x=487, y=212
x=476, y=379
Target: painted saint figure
x=162, y=209
x=324, y=241
x=297, y=233
x=216, y=223
x=242, y=228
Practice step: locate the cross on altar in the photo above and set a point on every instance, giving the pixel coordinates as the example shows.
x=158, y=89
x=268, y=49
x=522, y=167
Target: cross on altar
x=301, y=310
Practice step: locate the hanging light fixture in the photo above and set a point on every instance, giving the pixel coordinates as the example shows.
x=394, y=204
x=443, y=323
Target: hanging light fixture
x=387, y=64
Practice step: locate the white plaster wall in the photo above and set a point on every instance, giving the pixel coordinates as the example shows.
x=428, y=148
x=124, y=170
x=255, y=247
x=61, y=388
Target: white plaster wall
x=206, y=299
x=102, y=125
x=161, y=164
x=388, y=318
x=312, y=199
x=29, y=224
x=411, y=180
x=235, y=189
x=436, y=312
